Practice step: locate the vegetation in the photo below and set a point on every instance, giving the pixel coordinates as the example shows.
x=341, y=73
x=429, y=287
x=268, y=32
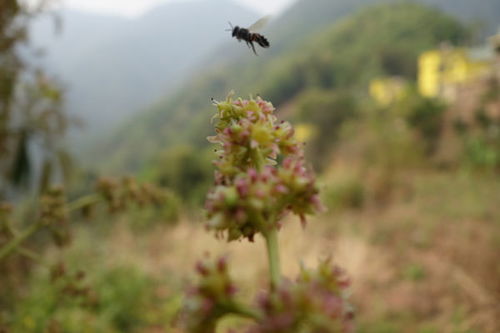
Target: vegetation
x=261, y=178
x=30, y=109
x=345, y=55
x=410, y=190
x=149, y=53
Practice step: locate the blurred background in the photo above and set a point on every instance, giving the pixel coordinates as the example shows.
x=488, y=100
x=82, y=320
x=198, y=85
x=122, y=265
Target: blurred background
x=398, y=102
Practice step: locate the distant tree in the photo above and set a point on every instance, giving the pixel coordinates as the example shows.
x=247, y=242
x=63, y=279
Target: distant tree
x=31, y=117
x=327, y=111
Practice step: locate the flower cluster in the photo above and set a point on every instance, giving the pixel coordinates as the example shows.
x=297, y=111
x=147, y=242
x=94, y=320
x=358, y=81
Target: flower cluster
x=71, y=286
x=54, y=215
x=250, y=135
x=118, y=195
x=211, y=298
x=53, y=207
x=256, y=200
x=260, y=173
x=315, y=303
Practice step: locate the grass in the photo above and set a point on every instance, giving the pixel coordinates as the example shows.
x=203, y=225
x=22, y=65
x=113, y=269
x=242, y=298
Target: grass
x=424, y=262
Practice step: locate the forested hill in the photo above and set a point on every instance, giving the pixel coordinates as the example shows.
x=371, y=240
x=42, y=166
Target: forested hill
x=483, y=14
x=306, y=18
x=114, y=67
x=377, y=40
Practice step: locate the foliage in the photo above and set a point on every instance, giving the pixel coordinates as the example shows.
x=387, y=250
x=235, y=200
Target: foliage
x=31, y=113
x=344, y=55
x=425, y=115
x=120, y=299
x=53, y=213
x=348, y=55
x=482, y=154
x=163, y=69
x=183, y=169
x=481, y=134
x=327, y=111
x=345, y=194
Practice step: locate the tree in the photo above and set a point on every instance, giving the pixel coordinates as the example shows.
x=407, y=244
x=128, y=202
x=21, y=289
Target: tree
x=32, y=121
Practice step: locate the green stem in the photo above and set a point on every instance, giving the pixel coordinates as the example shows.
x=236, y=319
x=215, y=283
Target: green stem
x=270, y=235
x=84, y=202
x=243, y=311
x=29, y=254
x=13, y=244
x=17, y=241
x=273, y=256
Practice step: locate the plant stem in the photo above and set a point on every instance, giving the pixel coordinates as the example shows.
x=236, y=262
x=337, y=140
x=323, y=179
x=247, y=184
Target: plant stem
x=271, y=235
x=273, y=256
x=30, y=255
x=13, y=244
x=243, y=311
x=17, y=241
x=83, y=202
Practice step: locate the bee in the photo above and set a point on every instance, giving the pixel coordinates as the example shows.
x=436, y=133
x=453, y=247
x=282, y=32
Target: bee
x=249, y=35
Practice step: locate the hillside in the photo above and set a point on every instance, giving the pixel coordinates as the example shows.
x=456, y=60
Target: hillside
x=114, y=67
x=98, y=56
x=335, y=58
x=483, y=14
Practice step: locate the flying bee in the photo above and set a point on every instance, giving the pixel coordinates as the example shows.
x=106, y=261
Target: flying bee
x=249, y=35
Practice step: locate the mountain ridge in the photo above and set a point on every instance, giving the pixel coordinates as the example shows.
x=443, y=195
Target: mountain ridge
x=123, y=65
x=269, y=74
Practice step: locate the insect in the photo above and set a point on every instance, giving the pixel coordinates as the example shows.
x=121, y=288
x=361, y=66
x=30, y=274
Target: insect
x=249, y=35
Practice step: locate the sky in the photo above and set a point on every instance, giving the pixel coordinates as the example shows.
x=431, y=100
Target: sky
x=133, y=8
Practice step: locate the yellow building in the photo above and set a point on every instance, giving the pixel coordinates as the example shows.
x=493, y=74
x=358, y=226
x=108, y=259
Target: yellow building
x=440, y=71
x=387, y=90
x=305, y=132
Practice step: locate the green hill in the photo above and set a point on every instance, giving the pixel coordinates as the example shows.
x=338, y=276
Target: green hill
x=385, y=39
x=115, y=67
x=484, y=15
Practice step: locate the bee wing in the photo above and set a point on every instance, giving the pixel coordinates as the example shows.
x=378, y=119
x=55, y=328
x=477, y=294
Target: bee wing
x=259, y=24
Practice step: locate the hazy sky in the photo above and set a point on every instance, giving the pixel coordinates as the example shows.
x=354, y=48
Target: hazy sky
x=136, y=7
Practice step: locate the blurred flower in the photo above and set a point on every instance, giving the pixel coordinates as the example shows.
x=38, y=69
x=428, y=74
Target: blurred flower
x=119, y=194
x=211, y=298
x=315, y=303
x=53, y=207
x=54, y=215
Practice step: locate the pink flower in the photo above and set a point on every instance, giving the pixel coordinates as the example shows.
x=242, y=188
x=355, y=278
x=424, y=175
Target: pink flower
x=316, y=302
x=252, y=183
